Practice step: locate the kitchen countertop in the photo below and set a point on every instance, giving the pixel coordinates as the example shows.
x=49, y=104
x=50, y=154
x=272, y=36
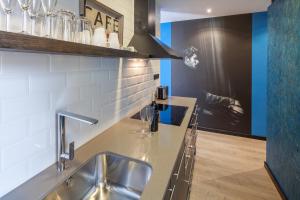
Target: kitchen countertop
x=160, y=151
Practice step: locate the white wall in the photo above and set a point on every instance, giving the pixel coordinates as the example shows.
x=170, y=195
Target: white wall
x=34, y=86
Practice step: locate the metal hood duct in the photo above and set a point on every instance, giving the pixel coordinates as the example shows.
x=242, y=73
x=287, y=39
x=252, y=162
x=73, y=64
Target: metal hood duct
x=144, y=40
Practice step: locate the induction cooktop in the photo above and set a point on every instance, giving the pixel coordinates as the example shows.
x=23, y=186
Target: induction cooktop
x=168, y=114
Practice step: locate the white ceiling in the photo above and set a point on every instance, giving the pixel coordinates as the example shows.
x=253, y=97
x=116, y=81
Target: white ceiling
x=178, y=10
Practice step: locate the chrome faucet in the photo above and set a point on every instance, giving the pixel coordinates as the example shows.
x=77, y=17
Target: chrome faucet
x=62, y=155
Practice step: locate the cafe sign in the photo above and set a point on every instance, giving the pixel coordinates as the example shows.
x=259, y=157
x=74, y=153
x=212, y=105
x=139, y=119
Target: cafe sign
x=101, y=15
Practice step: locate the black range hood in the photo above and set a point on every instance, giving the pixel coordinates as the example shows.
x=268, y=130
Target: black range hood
x=144, y=40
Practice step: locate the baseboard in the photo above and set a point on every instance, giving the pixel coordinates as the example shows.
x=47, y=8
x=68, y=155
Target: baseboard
x=274, y=180
x=232, y=133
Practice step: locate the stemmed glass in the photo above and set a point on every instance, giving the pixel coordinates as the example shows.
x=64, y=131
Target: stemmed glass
x=48, y=7
x=146, y=115
x=7, y=5
x=24, y=4
x=33, y=11
x=149, y=116
x=143, y=116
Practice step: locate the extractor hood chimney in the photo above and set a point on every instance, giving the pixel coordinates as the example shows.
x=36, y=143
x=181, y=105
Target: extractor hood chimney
x=144, y=40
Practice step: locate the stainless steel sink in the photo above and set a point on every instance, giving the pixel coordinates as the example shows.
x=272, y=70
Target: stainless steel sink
x=106, y=176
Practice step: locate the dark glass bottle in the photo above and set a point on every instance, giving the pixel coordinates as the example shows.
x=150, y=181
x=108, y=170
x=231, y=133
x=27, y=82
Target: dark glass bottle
x=154, y=124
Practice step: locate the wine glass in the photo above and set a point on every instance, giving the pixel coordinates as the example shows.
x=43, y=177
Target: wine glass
x=48, y=7
x=24, y=4
x=149, y=116
x=83, y=31
x=143, y=116
x=7, y=6
x=34, y=10
x=87, y=31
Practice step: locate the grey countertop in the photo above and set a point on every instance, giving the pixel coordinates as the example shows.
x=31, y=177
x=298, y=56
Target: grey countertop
x=159, y=150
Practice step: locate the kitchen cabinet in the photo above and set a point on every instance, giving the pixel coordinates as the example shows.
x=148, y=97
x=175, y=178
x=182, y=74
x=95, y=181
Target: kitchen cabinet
x=181, y=179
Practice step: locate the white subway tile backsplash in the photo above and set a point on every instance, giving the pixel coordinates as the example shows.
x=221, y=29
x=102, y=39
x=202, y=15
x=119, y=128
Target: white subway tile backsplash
x=87, y=132
x=23, y=63
x=89, y=92
x=33, y=87
x=19, y=174
x=135, y=80
x=123, y=83
x=13, y=86
x=135, y=63
x=99, y=77
x=62, y=63
x=113, y=75
x=61, y=99
x=111, y=63
x=13, y=109
x=47, y=82
x=148, y=77
x=99, y=102
x=90, y=63
x=0, y=165
x=39, y=122
x=76, y=79
x=12, y=154
x=117, y=94
x=82, y=107
x=103, y=88
x=11, y=133
x=40, y=161
x=110, y=85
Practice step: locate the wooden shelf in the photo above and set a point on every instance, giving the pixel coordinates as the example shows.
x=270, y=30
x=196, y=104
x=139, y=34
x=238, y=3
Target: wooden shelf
x=27, y=43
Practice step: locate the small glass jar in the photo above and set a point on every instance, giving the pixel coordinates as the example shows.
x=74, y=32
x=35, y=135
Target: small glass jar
x=57, y=26
x=49, y=25
x=67, y=27
x=83, y=31
x=39, y=26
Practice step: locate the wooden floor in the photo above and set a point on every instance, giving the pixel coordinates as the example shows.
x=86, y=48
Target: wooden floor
x=231, y=168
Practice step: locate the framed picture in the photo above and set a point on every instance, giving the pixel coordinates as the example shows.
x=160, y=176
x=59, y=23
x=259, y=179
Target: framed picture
x=101, y=15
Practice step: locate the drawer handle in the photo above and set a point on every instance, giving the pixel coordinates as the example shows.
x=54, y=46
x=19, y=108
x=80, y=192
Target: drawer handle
x=192, y=142
x=172, y=192
x=189, y=181
x=194, y=124
x=186, y=164
x=193, y=131
x=178, y=170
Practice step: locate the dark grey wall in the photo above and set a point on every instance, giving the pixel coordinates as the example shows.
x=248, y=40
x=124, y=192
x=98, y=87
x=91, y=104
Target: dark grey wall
x=283, y=123
x=225, y=59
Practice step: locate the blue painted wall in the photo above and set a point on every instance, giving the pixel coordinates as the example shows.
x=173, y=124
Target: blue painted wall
x=259, y=73
x=165, y=65
x=283, y=86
